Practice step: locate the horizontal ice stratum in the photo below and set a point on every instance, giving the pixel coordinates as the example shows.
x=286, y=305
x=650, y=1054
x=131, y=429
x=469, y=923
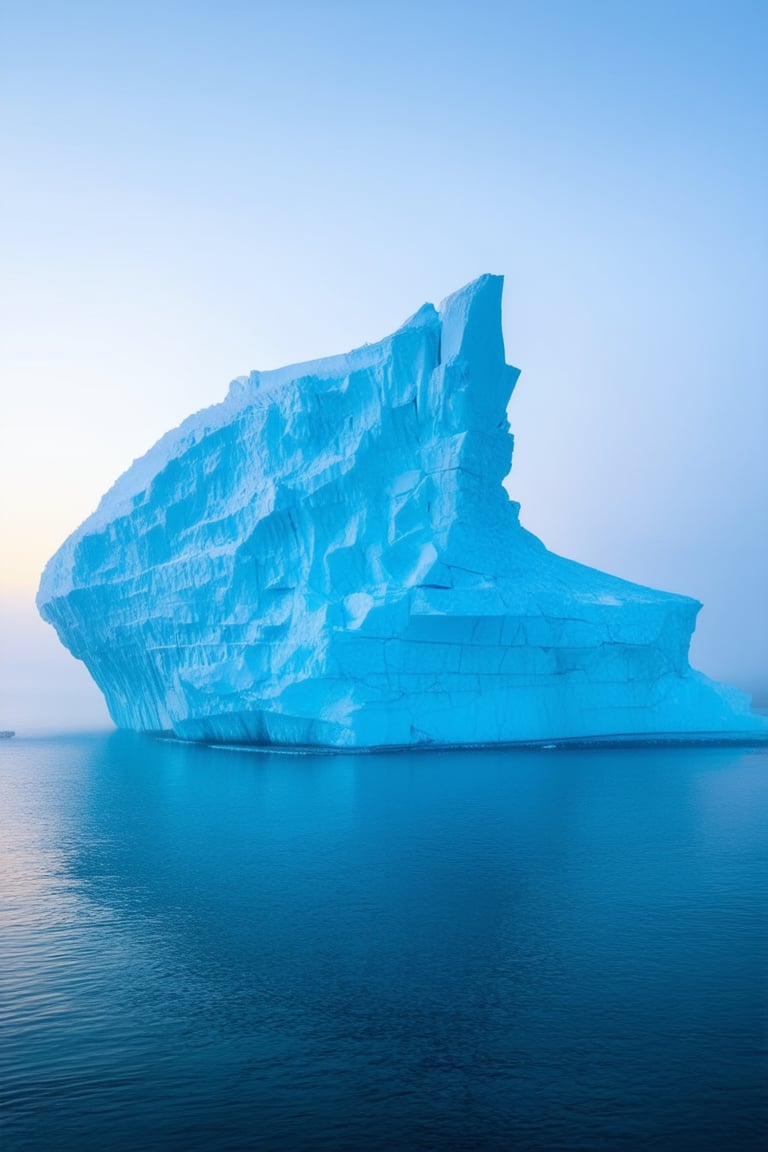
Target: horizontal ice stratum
x=329, y=558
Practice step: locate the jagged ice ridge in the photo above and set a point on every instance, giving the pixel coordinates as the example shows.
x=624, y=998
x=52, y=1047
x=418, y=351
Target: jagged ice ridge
x=329, y=558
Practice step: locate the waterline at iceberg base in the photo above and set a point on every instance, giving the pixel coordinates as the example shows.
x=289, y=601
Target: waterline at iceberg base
x=329, y=558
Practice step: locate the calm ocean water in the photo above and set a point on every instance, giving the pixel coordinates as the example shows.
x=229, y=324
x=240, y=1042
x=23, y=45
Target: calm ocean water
x=208, y=949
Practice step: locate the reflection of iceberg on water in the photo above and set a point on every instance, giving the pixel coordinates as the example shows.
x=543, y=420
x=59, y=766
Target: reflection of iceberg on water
x=329, y=557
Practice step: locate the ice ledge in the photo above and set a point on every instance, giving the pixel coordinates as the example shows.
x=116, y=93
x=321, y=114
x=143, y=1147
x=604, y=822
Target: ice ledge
x=570, y=744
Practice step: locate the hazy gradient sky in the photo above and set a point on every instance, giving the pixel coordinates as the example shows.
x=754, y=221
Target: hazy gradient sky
x=192, y=190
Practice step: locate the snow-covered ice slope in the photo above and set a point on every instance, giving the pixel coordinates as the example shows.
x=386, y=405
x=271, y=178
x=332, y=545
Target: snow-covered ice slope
x=329, y=557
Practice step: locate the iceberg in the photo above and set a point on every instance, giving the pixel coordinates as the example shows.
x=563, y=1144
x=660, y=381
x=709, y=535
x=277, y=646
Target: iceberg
x=329, y=558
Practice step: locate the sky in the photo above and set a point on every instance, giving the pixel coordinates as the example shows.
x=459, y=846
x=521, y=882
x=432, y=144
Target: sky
x=194, y=190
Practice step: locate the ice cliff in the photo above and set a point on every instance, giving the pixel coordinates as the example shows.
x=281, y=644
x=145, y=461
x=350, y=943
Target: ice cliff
x=328, y=557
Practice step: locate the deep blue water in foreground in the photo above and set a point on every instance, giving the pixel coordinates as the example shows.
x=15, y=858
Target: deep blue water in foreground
x=208, y=949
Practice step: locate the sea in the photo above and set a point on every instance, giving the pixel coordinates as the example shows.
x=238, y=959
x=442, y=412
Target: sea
x=210, y=949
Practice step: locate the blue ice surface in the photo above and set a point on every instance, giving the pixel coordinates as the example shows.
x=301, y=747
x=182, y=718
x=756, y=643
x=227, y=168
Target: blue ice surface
x=329, y=558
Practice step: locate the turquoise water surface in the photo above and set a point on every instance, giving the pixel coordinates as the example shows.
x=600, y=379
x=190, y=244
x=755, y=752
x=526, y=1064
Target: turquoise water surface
x=211, y=949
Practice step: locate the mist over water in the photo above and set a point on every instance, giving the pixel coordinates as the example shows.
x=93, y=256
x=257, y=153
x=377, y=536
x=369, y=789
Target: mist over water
x=222, y=950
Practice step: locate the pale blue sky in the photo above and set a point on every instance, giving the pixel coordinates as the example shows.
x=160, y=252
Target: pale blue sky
x=193, y=190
